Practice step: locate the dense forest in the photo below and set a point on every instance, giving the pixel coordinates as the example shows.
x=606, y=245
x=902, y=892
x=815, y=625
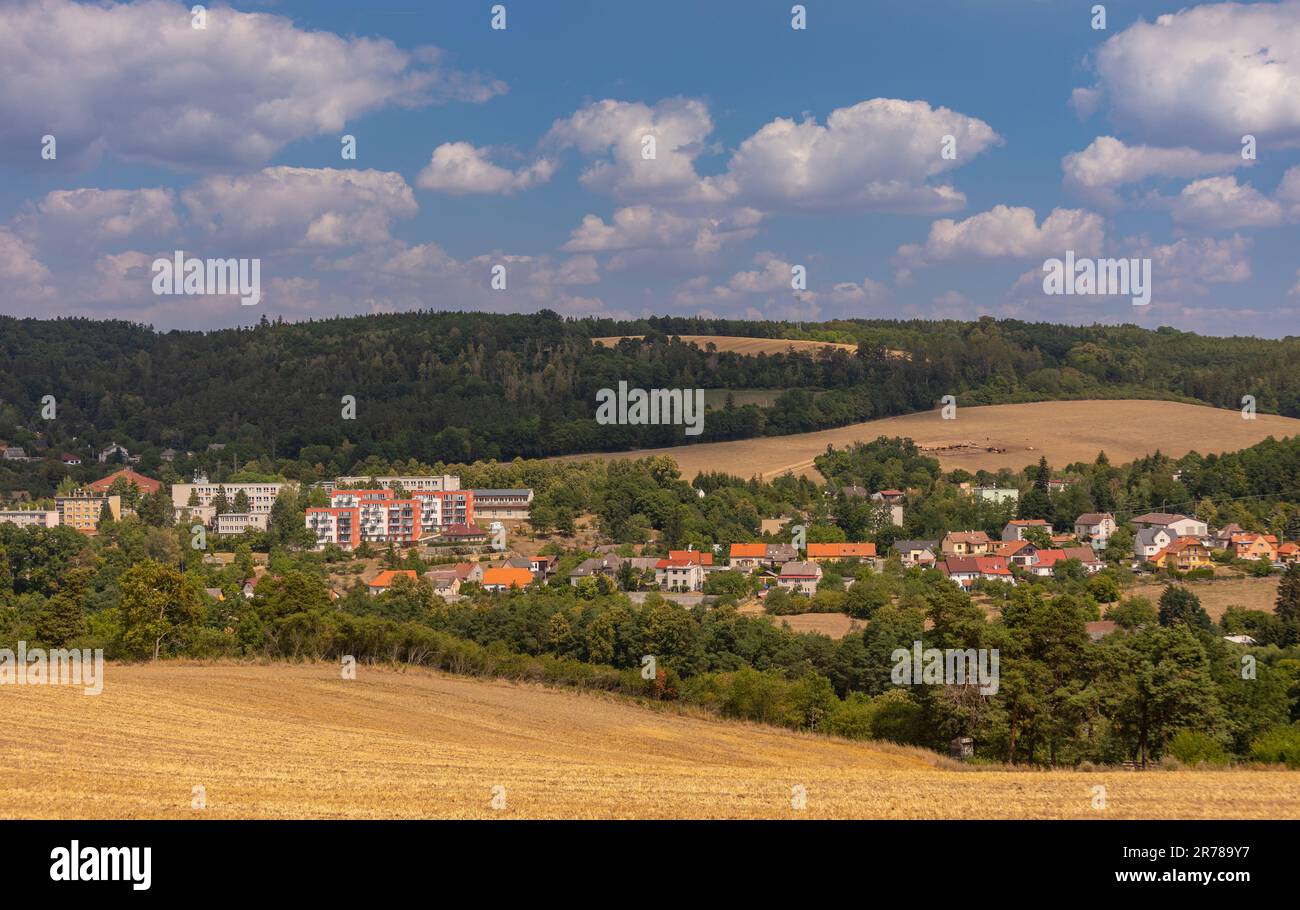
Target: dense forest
x=468, y=386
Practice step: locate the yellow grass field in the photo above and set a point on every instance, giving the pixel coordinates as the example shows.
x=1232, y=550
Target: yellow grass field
x=1064, y=431
x=741, y=345
x=1217, y=595
x=283, y=741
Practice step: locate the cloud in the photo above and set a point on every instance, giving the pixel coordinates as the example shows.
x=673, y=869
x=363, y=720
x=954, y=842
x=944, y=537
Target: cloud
x=459, y=168
x=20, y=271
x=287, y=208
x=640, y=227
x=772, y=282
x=874, y=156
x=138, y=82
x=877, y=155
x=1006, y=232
x=1221, y=202
x=94, y=217
x=1108, y=163
x=615, y=133
x=1205, y=76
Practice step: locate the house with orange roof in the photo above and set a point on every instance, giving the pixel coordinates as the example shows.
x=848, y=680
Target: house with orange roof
x=503, y=578
x=1254, y=546
x=965, y=543
x=1183, y=554
x=143, y=484
x=384, y=580
x=1288, y=553
x=747, y=556
x=699, y=557
x=817, y=552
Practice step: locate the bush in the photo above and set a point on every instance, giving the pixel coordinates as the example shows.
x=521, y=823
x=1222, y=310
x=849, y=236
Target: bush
x=1193, y=747
x=1281, y=745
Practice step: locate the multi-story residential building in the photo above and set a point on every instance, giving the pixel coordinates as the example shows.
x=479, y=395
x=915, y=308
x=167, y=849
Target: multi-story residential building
x=82, y=510
x=1150, y=541
x=1095, y=528
x=800, y=577
x=1186, y=527
x=916, y=552
x=1015, y=529
x=965, y=543
x=409, y=483
x=379, y=516
x=502, y=505
x=1184, y=554
x=239, y=522
x=1255, y=546
x=750, y=556
x=340, y=527
x=30, y=518
x=996, y=494
x=261, y=496
x=679, y=574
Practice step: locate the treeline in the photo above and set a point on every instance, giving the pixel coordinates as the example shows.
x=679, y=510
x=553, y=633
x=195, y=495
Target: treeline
x=458, y=387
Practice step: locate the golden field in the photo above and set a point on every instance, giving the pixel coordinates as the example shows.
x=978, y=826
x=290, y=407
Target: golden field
x=282, y=741
x=1064, y=431
x=741, y=345
x=1217, y=595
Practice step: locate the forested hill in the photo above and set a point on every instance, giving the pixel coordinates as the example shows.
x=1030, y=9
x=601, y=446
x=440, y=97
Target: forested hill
x=465, y=386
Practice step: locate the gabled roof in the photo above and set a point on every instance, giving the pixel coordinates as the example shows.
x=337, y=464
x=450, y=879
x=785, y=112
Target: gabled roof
x=800, y=570
x=507, y=577
x=385, y=578
x=841, y=550
x=967, y=537
x=907, y=546
x=1093, y=518
x=144, y=484
x=1159, y=518
x=698, y=557
x=1027, y=523
x=1147, y=536
x=748, y=550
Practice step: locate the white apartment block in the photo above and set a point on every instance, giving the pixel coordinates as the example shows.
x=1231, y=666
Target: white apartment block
x=30, y=518
x=411, y=484
x=261, y=496
x=239, y=522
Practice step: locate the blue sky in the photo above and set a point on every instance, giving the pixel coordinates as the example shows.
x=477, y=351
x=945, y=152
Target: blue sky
x=776, y=148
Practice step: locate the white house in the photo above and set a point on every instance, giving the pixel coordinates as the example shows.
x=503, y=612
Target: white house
x=800, y=577
x=1180, y=524
x=1095, y=528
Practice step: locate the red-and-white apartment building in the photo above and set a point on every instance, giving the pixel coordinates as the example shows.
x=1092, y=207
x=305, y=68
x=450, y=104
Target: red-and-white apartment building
x=378, y=516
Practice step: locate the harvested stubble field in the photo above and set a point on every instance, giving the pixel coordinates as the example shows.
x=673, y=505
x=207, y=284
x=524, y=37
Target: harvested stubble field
x=284, y=741
x=1064, y=431
x=1217, y=595
x=741, y=345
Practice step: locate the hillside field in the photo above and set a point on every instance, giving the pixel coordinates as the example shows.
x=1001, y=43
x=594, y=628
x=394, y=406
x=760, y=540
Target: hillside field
x=741, y=345
x=287, y=741
x=1064, y=431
